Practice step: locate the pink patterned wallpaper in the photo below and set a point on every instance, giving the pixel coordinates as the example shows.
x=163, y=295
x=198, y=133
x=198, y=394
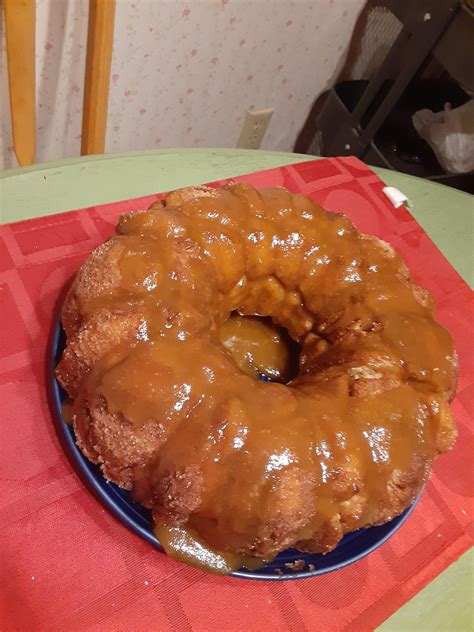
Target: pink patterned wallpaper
x=185, y=71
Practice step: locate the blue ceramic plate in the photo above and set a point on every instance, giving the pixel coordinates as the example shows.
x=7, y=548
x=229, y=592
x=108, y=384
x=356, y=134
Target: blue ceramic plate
x=119, y=502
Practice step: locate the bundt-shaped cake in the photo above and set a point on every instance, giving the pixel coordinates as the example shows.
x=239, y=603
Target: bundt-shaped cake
x=251, y=467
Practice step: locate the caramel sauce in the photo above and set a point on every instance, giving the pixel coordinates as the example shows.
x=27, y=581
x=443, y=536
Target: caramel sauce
x=241, y=467
x=185, y=545
x=260, y=348
x=67, y=411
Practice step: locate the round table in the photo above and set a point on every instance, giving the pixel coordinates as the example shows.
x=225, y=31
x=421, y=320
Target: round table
x=446, y=214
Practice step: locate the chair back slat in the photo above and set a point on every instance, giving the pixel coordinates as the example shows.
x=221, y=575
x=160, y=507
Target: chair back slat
x=97, y=77
x=20, y=36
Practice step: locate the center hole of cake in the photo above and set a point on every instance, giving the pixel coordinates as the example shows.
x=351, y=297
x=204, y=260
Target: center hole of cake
x=260, y=348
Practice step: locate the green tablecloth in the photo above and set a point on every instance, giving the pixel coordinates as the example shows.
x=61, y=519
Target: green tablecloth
x=447, y=215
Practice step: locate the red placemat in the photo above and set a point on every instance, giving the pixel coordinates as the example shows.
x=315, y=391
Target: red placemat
x=69, y=565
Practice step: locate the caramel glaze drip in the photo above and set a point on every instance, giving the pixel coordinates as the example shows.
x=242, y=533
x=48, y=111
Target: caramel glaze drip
x=249, y=467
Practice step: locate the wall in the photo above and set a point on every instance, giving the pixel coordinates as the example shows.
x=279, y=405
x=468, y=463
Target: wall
x=184, y=72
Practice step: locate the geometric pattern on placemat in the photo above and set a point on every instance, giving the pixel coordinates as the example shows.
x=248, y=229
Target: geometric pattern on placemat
x=67, y=564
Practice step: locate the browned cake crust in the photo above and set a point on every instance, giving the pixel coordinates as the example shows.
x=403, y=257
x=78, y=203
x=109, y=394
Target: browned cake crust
x=256, y=467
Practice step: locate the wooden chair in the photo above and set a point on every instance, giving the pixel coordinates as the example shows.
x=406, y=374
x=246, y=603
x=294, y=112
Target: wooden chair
x=20, y=34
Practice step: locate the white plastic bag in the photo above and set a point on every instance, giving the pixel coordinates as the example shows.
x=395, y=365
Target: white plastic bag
x=450, y=134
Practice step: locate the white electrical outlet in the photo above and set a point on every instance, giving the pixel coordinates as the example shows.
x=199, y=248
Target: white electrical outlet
x=254, y=128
